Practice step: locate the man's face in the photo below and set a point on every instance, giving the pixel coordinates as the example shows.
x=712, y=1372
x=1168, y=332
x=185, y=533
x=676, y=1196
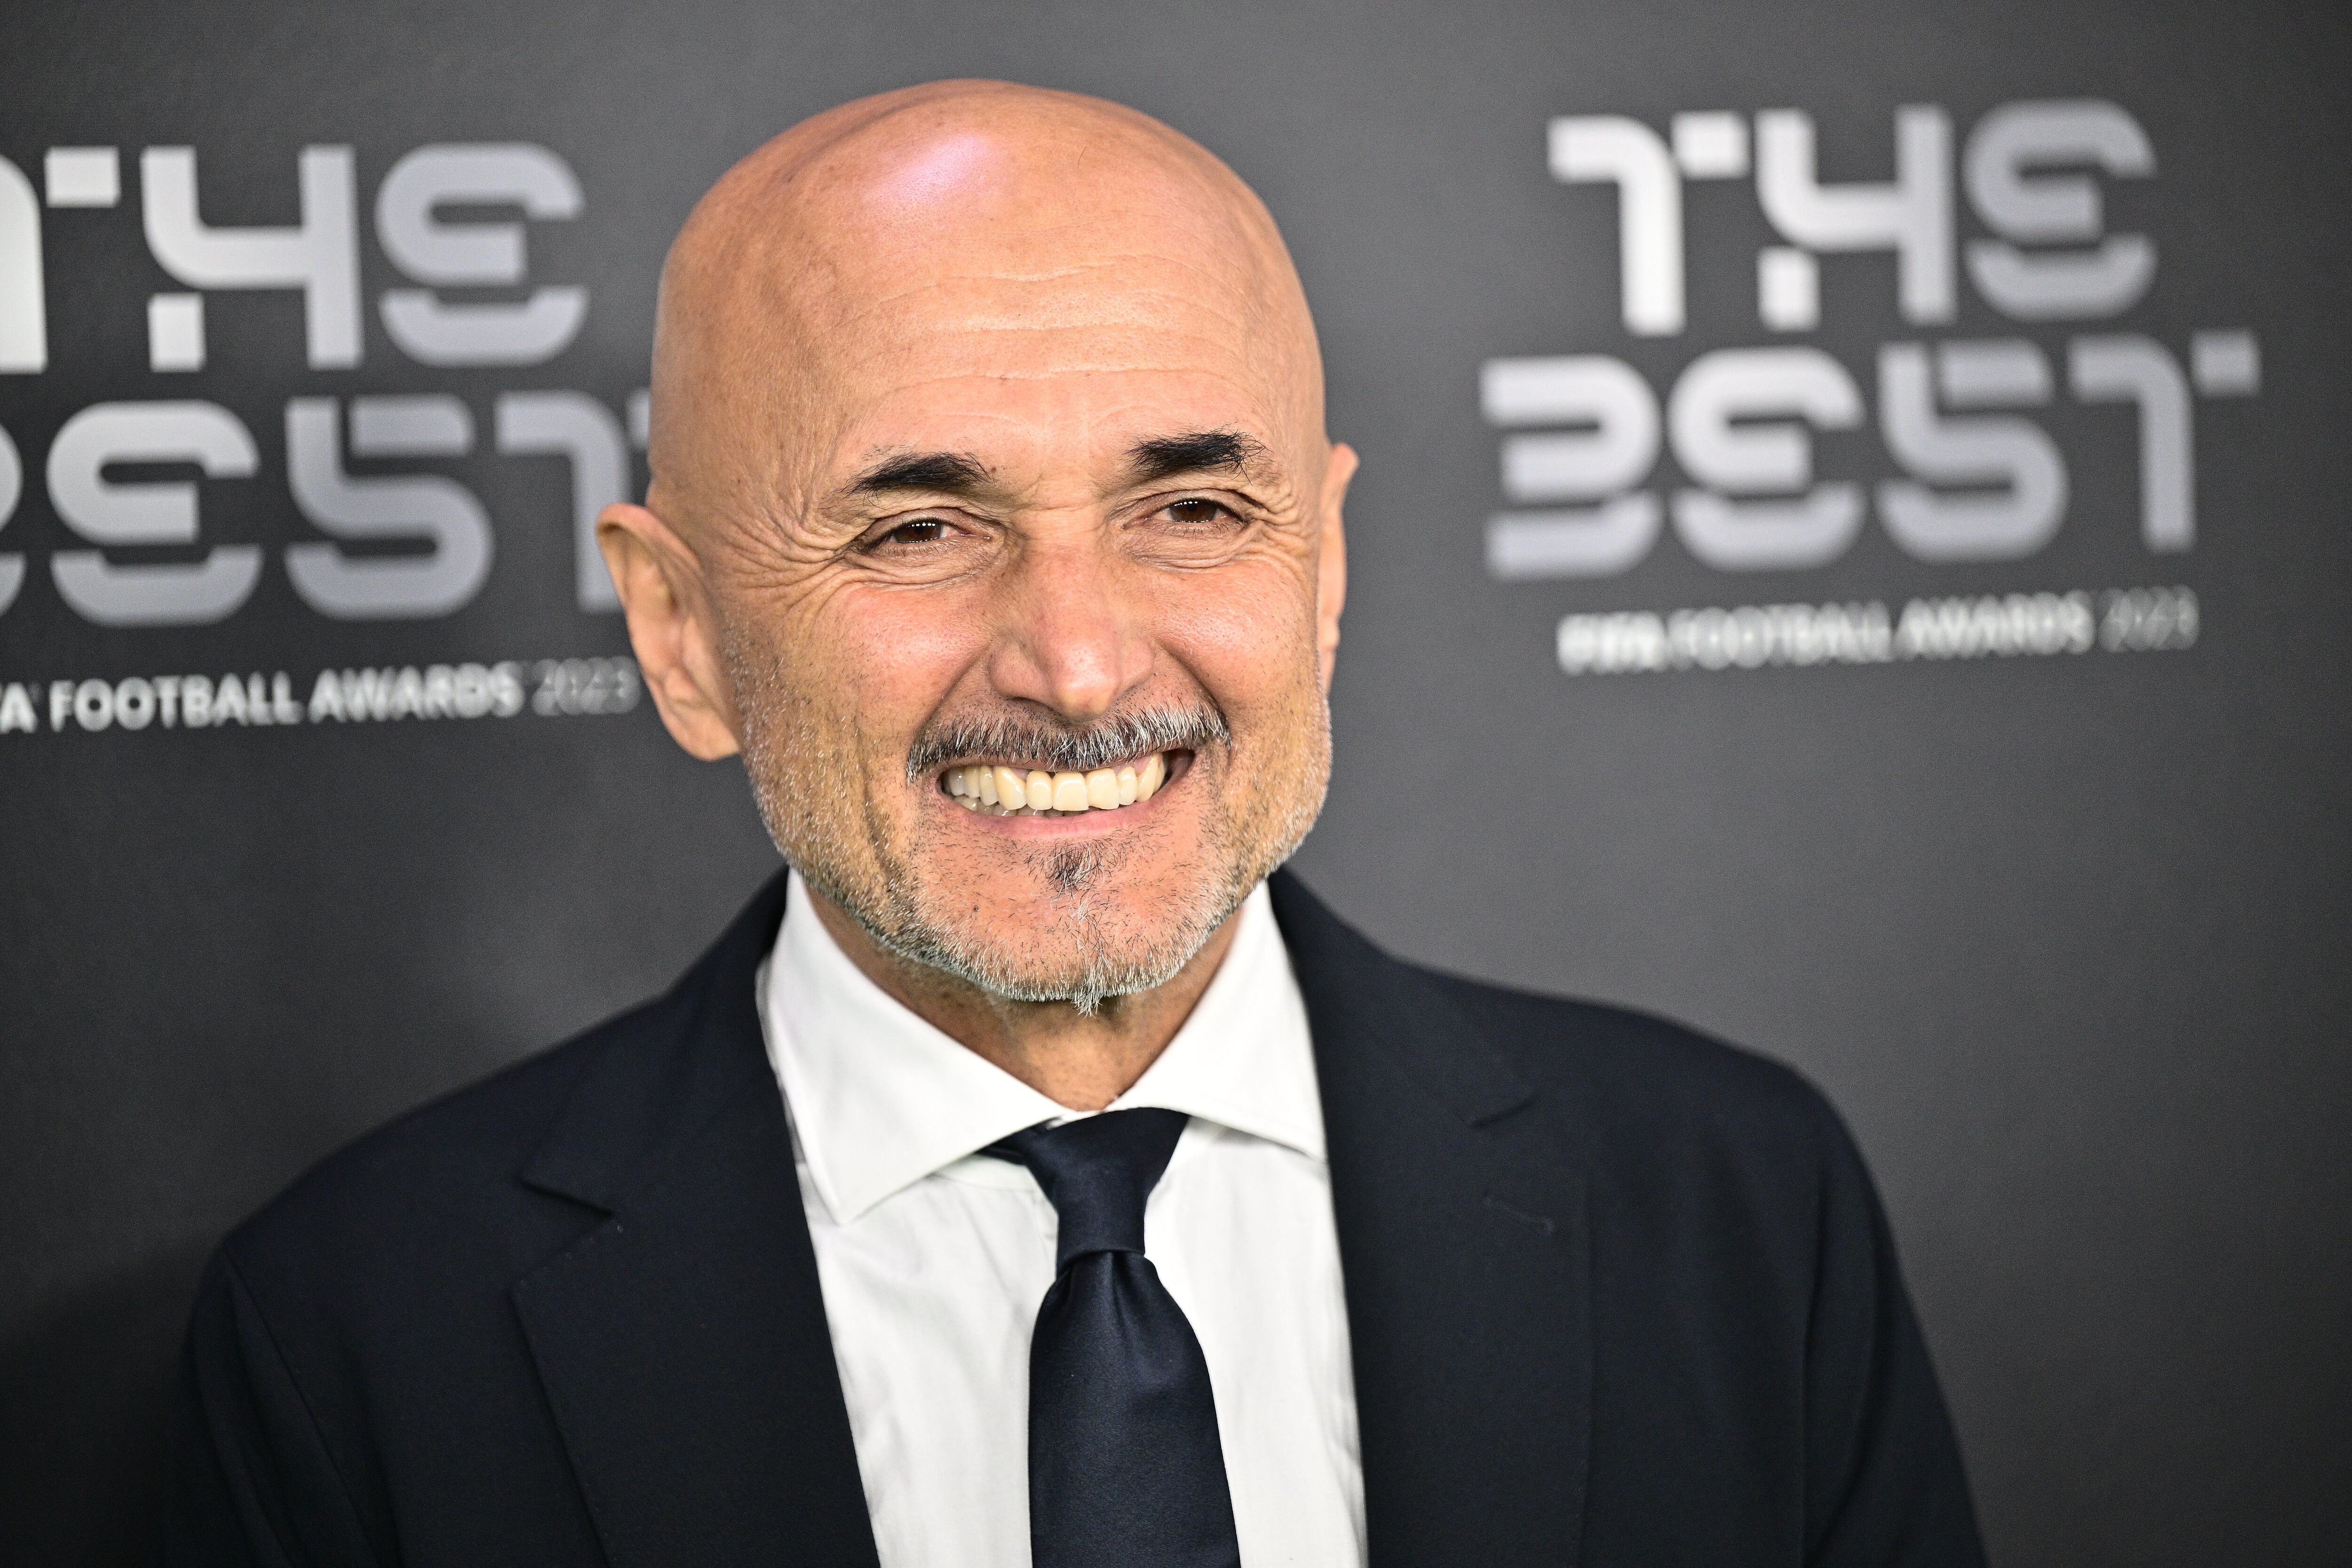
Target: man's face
x=1042, y=502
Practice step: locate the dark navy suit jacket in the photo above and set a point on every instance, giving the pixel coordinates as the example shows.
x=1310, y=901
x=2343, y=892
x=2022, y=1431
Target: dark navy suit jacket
x=1618, y=1295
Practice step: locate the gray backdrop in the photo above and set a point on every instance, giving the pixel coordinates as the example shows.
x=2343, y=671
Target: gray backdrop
x=2047, y=892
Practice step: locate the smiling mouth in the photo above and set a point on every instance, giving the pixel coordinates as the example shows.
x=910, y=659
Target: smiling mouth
x=1000, y=789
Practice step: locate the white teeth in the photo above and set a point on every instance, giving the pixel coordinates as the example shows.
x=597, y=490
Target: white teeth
x=1005, y=793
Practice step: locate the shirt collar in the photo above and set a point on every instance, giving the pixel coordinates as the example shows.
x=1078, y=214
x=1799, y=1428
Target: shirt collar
x=879, y=1099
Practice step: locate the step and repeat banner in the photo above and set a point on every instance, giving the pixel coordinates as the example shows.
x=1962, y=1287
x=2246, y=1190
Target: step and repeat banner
x=1852, y=552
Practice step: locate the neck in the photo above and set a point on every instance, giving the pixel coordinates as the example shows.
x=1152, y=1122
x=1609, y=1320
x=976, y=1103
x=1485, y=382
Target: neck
x=1080, y=1060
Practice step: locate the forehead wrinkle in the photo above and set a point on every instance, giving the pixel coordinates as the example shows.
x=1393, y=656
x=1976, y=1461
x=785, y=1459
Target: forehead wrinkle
x=1098, y=262
x=1137, y=340
x=1239, y=309
x=1011, y=345
x=982, y=347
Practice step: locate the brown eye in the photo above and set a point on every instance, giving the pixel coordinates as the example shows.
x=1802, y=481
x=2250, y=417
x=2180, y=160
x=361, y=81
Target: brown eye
x=1194, y=509
x=922, y=531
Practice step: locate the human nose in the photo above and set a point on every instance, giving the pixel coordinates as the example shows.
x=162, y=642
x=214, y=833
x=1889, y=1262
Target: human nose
x=1073, y=638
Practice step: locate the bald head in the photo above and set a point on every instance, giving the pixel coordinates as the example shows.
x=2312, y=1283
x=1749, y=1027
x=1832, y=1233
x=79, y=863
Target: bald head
x=963, y=229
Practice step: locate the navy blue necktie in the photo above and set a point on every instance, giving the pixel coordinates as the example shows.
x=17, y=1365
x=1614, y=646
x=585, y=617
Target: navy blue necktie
x=1125, y=1468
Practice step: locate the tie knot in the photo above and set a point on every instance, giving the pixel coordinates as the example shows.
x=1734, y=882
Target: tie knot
x=1097, y=1173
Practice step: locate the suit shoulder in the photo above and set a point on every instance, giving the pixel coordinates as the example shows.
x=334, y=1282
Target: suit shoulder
x=435, y=1166
x=1637, y=1070
x=1640, y=1086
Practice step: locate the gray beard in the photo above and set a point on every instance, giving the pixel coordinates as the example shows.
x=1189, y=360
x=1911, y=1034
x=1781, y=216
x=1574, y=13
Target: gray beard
x=1115, y=960
x=1109, y=967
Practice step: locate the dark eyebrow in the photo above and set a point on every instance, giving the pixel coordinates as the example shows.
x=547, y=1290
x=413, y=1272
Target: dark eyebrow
x=953, y=471
x=1194, y=452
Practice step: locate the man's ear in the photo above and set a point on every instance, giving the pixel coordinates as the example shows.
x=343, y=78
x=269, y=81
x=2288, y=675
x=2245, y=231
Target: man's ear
x=1331, y=561
x=670, y=626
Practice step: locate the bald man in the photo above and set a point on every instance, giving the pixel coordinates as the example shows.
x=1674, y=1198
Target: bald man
x=1032, y=1172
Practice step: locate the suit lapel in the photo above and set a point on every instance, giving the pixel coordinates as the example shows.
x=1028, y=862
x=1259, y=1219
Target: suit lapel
x=683, y=1342
x=1463, y=1240
x=684, y=1347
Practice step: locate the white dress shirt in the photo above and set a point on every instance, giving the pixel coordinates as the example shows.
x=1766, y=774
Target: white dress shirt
x=934, y=1259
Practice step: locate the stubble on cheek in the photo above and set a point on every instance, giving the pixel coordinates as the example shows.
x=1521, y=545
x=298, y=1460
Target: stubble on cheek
x=1038, y=921
x=808, y=775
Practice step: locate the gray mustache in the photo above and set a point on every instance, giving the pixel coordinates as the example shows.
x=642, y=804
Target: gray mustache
x=1052, y=748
